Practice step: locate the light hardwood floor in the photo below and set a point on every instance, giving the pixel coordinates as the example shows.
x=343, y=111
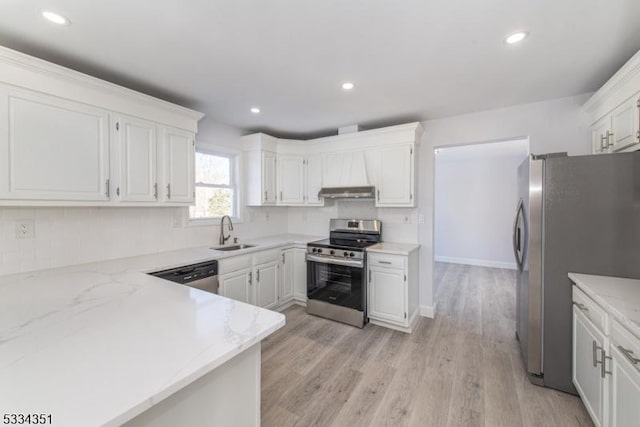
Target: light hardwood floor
x=462, y=368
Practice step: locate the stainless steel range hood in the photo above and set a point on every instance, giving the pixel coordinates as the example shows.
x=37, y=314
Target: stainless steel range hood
x=361, y=192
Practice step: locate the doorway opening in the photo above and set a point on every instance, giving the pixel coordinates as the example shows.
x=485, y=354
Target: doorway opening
x=475, y=203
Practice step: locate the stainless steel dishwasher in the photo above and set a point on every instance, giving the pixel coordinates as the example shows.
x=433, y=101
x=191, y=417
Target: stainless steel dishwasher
x=202, y=276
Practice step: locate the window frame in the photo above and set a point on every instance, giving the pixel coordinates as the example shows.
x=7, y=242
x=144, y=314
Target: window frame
x=235, y=184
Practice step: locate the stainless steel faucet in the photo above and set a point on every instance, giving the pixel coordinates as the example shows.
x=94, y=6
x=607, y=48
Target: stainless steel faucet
x=223, y=239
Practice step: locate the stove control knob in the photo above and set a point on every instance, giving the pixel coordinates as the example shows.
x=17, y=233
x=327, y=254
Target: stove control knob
x=314, y=250
x=332, y=252
x=346, y=254
x=352, y=254
x=319, y=250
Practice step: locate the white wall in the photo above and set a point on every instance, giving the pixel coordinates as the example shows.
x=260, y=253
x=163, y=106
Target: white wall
x=475, y=197
x=65, y=236
x=554, y=125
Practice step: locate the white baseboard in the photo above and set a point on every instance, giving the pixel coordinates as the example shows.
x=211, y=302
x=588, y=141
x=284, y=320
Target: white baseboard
x=428, y=311
x=477, y=262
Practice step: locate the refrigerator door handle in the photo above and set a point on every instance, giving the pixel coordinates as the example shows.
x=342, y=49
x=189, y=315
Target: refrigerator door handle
x=517, y=237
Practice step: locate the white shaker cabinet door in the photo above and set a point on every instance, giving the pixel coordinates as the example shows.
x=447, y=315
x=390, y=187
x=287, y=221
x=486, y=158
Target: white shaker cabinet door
x=290, y=180
x=269, y=178
x=387, y=295
x=314, y=180
x=237, y=285
x=300, y=274
x=51, y=148
x=625, y=125
x=137, y=145
x=587, y=372
x=267, y=285
x=396, y=177
x=180, y=159
x=287, y=278
x=625, y=388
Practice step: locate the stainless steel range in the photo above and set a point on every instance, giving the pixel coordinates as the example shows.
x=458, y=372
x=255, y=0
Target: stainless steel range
x=336, y=270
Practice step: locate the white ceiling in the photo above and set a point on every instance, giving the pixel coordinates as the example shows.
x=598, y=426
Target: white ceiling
x=409, y=59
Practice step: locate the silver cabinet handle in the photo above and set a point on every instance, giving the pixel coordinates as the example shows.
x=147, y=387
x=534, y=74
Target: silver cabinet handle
x=629, y=355
x=250, y=278
x=581, y=306
x=384, y=262
x=106, y=185
x=595, y=354
x=603, y=367
x=281, y=196
x=155, y=190
x=265, y=196
x=258, y=276
x=604, y=144
x=378, y=191
x=168, y=191
x=609, y=138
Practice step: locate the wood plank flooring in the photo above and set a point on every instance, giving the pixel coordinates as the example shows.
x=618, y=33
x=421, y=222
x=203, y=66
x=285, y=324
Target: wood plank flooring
x=462, y=368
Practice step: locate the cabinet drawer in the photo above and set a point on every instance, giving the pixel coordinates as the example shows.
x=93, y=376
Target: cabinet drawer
x=621, y=337
x=231, y=264
x=590, y=309
x=266, y=256
x=389, y=261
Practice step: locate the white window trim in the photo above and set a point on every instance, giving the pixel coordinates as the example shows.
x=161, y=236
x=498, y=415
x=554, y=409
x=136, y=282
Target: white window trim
x=237, y=172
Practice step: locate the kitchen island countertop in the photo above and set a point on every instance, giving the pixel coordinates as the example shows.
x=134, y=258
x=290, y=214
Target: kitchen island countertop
x=98, y=344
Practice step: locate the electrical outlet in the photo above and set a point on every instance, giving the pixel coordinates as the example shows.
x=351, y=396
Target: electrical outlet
x=177, y=220
x=25, y=229
x=421, y=219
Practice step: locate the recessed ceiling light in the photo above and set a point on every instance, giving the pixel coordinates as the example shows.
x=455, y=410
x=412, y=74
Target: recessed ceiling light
x=255, y=110
x=55, y=18
x=516, y=37
x=348, y=86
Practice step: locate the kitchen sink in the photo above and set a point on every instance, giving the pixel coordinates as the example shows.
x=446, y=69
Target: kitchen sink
x=232, y=248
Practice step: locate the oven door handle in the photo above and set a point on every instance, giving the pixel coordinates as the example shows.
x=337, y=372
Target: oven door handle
x=322, y=260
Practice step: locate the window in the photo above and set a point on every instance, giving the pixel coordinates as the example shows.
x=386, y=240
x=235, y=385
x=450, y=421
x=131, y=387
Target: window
x=216, y=186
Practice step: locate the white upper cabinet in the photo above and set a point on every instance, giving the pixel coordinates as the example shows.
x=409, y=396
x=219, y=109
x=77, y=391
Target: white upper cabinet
x=290, y=179
x=313, y=178
x=601, y=135
x=615, y=111
x=180, y=159
x=52, y=149
x=625, y=124
x=68, y=139
x=137, y=142
x=396, y=180
x=384, y=158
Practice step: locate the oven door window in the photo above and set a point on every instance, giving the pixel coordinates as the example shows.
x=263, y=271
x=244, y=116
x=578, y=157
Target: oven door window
x=335, y=284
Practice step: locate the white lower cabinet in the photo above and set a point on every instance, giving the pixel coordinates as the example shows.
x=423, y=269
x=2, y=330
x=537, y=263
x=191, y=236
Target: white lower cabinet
x=267, y=285
x=287, y=282
x=392, y=289
x=588, y=345
x=624, y=396
x=387, y=295
x=294, y=275
x=606, y=364
x=237, y=285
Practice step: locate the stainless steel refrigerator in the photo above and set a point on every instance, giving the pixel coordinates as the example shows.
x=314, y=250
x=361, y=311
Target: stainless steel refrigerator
x=578, y=214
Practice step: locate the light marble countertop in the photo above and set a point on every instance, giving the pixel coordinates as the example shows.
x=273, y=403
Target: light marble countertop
x=620, y=297
x=98, y=344
x=393, y=248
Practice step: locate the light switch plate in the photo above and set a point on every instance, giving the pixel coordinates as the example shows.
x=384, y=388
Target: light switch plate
x=25, y=229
